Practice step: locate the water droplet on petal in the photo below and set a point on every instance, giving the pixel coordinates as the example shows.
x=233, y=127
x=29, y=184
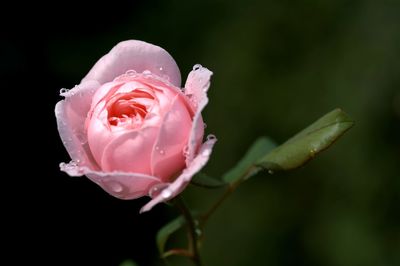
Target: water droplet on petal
x=131, y=73
x=165, y=77
x=166, y=193
x=197, y=67
x=162, y=152
x=71, y=168
x=156, y=189
x=147, y=72
x=63, y=91
x=161, y=68
x=206, y=152
x=157, y=148
x=115, y=186
x=211, y=137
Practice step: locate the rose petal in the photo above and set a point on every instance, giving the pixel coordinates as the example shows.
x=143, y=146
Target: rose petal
x=167, y=157
x=125, y=185
x=197, y=83
x=71, y=115
x=183, y=180
x=130, y=152
x=159, y=83
x=118, y=184
x=138, y=56
x=196, y=88
x=99, y=133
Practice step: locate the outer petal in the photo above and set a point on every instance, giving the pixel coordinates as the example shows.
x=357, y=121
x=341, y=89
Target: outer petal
x=167, y=157
x=196, y=88
x=138, y=56
x=183, y=180
x=118, y=184
x=71, y=115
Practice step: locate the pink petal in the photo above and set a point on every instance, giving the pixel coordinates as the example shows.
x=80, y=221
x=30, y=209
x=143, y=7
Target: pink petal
x=183, y=180
x=167, y=157
x=196, y=88
x=71, y=115
x=130, y=152
x=118, y=184
x=138, y=56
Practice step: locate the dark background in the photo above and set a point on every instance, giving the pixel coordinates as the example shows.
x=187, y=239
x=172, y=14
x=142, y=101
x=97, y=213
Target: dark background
x=278, y=65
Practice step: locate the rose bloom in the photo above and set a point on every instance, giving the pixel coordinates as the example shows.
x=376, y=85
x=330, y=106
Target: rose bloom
x=131, y=128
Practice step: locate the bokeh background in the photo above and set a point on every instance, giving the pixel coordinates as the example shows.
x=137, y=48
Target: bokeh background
x=278, y=65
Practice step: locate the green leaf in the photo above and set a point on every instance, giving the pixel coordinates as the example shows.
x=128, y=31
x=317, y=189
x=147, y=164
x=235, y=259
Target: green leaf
x=203, y=180
x=247, y=165
x=166, y=231
x=309, y=142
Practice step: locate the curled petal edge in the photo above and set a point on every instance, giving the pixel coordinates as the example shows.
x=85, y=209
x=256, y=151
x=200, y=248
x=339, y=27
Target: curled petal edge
x=183, y=180
x=134, y=55
x=121, y=185
x=196, y=87
x=71, y=115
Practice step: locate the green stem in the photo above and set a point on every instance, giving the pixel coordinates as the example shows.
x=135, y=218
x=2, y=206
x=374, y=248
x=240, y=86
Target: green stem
x=214, y=207
x=192, y=236
x=231, y=188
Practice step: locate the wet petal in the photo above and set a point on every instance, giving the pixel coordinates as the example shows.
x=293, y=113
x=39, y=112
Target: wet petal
x=130, y=152
x=71, y=115
x=118, y=184
x=183, y=180
x=138, y=56
x=167, y=157
x=196, y=88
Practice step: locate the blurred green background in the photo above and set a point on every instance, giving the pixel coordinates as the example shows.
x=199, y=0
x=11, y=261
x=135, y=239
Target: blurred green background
x=278, y=66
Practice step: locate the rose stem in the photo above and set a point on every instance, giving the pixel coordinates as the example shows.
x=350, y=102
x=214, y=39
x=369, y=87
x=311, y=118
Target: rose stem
x=231, y=188
x=214, y=207
x=192, y=236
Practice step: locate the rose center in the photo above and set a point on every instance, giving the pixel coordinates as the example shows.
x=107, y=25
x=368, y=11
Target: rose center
x=129, y=109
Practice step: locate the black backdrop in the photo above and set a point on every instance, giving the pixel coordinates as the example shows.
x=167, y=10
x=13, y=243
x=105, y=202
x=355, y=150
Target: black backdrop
x=54, y=219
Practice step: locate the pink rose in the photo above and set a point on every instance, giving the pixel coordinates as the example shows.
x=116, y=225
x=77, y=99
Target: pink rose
x=131, y=129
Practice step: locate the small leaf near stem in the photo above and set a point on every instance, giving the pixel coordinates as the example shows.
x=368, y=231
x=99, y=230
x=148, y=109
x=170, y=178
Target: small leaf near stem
x=306, y=144
x=295, y=152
